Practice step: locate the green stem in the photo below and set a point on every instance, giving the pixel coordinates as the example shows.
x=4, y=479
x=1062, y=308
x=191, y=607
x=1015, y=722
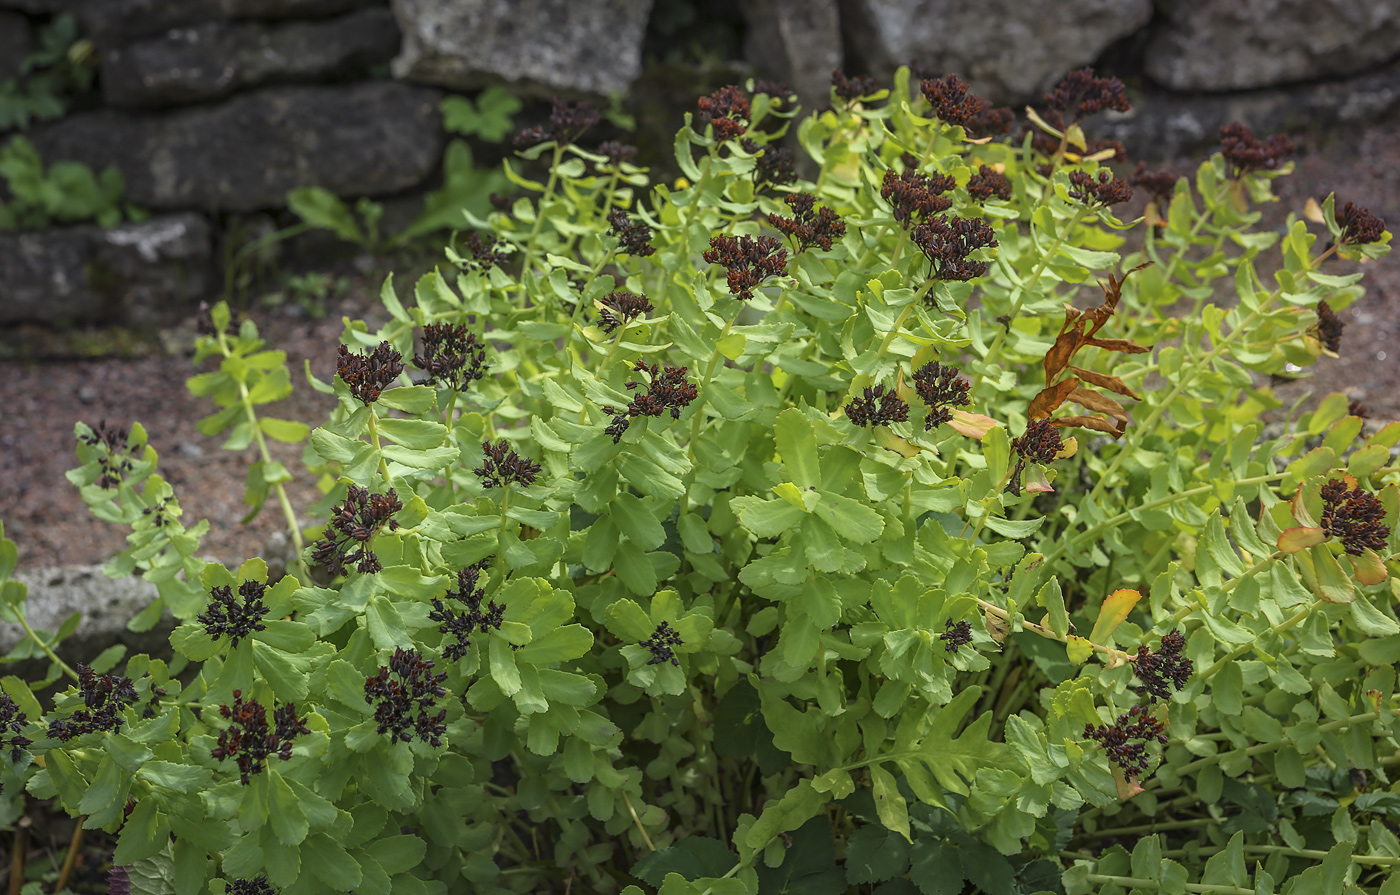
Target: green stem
x=1261, y=748
x=1131, y=882
x=1159, y=827
x=539, y=209
x=374, y=439
x=1312, y=853
x=48, y=650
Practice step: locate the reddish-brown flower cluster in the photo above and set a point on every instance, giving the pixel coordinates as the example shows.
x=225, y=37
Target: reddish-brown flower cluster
x=567, y=122
x=948, y=243
x=502, y=466
x=1355, y=517
x=749, y=259
x=407, y=685
x=953, y=103
x=1359, y=226
x=1081, y=95
x=369, y=374
x=727, y=111
x=532, y=136
x=622, y=307
x=484, y=253
x=1165, y=665
x=635, y=239
x=12, y=722
x=452, y=357
x=956, y=634
x=250, y=741
x=462, y=625
x=1106, y=190
x=228, y=616
x=1159, y=184
x=914, y=197
x=1246, y=153
x=354, y=521
x=940, y=388
x=115, y=464
x=778, y=91
x=877, y=407
x=773, y=164
x=809, y=226
x=989, y=182
x=1038, y=444
x=1328, y=328
x=255, y=886
x=852, y=88
x=667, y=391
x=662, y=643
x=1137, y=724
x=1356, y=408
x=616, y=152
x=105, y=697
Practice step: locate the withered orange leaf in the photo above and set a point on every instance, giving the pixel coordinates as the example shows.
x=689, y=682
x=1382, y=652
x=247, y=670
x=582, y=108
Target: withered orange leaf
x=1101, y=404
x=1050, y=398
x=1103, y=380
x=1126, y=346
x=1096, y=423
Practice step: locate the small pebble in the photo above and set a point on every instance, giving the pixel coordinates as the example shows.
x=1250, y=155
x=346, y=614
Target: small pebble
x=87, y=394
x=190, y=449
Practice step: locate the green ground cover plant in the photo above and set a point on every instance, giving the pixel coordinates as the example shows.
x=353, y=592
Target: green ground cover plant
x=905, y=529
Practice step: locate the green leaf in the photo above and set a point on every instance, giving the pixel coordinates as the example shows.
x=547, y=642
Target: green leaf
x=397, y=854
x=636, y=521
x=798, y=805
x=693, y=857
x=416, y=435
x=766, y=518
x=176, y=777
x=797, y=445
x=874, y=855
x=889, y=804
x=410, y=399
x=1333, y=583
x=321, y=208
x=851, y=519
x=145, y=833
x=285, y=812
x=503, y=668
x=1051, y=597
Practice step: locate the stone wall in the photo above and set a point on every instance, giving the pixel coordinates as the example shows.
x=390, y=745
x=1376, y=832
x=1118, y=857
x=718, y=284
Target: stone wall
x=211, y=107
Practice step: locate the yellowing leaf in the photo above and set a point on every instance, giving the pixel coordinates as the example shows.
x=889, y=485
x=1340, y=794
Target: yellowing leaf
x=1370, y=568
x=892, y=442
x=973, y=425
x=1114, y=611
x=1294, y=540
x=1333, y=585
x=1078, y=649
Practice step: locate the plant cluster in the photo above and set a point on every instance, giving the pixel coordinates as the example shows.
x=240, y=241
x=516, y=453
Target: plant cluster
x=786, y=571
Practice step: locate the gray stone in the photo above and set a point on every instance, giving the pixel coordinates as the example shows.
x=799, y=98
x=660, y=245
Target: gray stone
x=109, y=23
x=366, y=139
x=129, y=274
x=1007, y=50
x=16, y=42
x=215, y=59
x=107, y=604
x=1166, y=125
x=1217, y=45
x=797, y=41
x=589, y=46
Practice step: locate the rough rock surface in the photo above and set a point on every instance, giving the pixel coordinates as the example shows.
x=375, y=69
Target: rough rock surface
x=111, y=22
x=128, y=274
x=1162, y=125
x=590, y=46
x=107, y=604
x=798, y=41
x=244, y=154
x=1217, y=45
x=16, y=42
x=1007, y=50
x=215, y=59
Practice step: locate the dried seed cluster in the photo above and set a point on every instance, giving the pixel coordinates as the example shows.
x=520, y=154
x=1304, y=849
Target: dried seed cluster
x=1038, y=444
x=953, y=103
x=877, y=407
x=749, y=259
x=1355, y=517
x=853, y=87
x=1106, y=190
x=1081, y=95
x=635, y=239
x=567, y=122
x=485, y=253
x=452, y=357
x=407, y=685
x=249, y=740
x=940, y=388
x=369, y=374
x=913, y=197
x=234, y=618
x=774, y=165
x=116, y=463
x=461, y=625
x=727, y=111
x=616, y=152
x=622, y=307
x=12, y=722
x=502, y=466
x=1246, y=153
x=105, y=697
x=1358, y=225
x=1162, y=666
x=989, y=182
x=1158, y=184
x=354, y=521
x=809, y=226
x=1126, y=739
x=957, y=634
x=668, y=389
x=1328, y=328
x=256, y=886
x=948, y=242
x=662, y=644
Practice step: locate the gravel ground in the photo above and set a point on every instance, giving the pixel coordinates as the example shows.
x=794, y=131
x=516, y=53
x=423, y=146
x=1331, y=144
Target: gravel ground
x=44, y=514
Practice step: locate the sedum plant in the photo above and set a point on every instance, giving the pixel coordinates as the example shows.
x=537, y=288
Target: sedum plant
x=911, y=528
